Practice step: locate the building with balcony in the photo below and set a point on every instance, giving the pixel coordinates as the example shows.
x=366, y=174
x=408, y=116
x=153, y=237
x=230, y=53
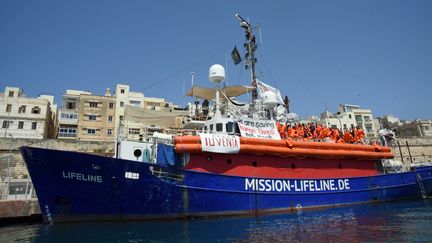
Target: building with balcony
x=68, y=118
x=24, y=117
x=351, y=115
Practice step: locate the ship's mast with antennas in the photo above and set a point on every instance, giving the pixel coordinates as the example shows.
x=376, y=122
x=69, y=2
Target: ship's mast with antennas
x=250, y=46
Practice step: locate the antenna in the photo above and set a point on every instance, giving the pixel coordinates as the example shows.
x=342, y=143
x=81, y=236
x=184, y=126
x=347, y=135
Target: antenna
x=250, y=46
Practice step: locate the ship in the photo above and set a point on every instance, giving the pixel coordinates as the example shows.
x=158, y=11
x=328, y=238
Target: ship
x=237, y=163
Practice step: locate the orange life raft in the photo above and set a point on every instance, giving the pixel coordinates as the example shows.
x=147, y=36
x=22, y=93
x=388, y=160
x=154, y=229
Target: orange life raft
x=287, y=147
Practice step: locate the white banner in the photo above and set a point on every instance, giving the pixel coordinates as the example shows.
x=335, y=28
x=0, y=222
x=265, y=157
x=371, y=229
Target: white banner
x=226, y=144
x=254, y=128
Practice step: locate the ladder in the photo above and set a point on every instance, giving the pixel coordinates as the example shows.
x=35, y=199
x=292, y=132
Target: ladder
x=422, y=189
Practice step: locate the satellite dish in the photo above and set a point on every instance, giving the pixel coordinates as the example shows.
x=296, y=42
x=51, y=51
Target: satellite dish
x=269, y=99
x=217, y=73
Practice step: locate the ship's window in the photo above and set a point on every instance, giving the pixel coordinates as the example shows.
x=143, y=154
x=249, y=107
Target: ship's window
x=254, y=164
x=340, y=166
x=131, y=175
x=293, y=166
x=211, y=128
x=205, y=128
x=229, y=127
x=219, y=127
x=228, y=161
x=236, y=129
x=209, y=158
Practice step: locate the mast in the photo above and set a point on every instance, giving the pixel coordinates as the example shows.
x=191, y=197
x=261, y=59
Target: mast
x=250, y=46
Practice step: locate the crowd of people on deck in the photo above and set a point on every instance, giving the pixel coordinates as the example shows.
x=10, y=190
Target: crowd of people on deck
x=315, y=132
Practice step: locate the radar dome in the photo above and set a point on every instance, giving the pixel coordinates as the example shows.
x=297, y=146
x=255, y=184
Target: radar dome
x=269, y=99
x=216, y=73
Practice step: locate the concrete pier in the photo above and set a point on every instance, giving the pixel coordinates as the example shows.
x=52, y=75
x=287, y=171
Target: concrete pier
x=19, y=210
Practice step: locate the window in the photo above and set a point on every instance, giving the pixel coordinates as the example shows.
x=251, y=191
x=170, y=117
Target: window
x=109, y=132
x=426, y=127
x=121, y=118
x=20, y=125
x=122, y=91
x=135, y=102
x=111, y=105
x=69, y=116
x=94, y=104
x=11, y=93
x=91, y=131
x=5, y=124
x=71, y=105
x=134, y=131
x=92, y=117
x=219, y=127
x=121, y=103
x=36, y=110
x=67, y=132
x=132, y=175
x=22, y=109
x=34, y=125
x=110, y=118
x=211, y=128
x=8, y=108
x=349, y=115
x=229, y=127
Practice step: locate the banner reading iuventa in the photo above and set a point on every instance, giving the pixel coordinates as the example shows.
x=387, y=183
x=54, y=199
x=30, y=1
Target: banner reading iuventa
x=254, y=128
x=227, y=144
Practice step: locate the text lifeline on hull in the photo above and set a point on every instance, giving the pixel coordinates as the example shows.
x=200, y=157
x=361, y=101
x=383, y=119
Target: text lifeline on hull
x=237, y=164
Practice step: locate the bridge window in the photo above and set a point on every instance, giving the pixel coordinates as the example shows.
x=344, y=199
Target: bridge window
x=229, y=127
x=219, y=127
x=131, y=175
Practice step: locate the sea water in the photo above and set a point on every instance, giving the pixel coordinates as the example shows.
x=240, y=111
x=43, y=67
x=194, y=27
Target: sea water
x=401, y=221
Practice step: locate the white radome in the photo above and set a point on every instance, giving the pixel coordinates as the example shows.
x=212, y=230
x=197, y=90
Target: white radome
x=217, y=73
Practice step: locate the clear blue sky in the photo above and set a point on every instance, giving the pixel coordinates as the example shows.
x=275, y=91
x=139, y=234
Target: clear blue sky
x=377, y=54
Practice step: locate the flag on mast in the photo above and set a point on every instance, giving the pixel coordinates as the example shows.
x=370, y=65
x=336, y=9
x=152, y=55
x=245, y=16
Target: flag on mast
x=235, y=55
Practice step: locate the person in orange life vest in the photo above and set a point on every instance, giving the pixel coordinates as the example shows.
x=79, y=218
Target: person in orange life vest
x=335, y=134
x=360, y=134
x=283, y=131
x=348, y=138
x=290, y=132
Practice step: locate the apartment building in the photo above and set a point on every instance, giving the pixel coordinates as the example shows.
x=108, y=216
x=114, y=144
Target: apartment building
x=96, y=117
x=24, y=117
x=68, y=118
x=351, y=115
x=125, y=97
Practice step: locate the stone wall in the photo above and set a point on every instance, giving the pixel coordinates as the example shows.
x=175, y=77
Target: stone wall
x=9, y=153
x=420, y=149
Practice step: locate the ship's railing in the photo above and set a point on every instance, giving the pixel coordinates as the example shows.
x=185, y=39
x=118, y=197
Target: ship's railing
x=167, y=175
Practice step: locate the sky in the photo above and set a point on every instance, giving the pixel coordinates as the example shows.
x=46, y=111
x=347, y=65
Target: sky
x=376, y=54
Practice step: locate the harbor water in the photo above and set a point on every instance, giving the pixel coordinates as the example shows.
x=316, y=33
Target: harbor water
x=401, y=221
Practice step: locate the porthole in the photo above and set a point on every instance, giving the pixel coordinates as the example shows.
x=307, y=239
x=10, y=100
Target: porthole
x=254, y=164
x=229, y=161
x=293, y=166
x=340, y=166
x=209, y=158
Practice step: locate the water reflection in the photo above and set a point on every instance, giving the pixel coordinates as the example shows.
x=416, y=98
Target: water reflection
x=397, y=221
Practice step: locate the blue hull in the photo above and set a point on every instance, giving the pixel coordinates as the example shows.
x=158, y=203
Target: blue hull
x=75, y=187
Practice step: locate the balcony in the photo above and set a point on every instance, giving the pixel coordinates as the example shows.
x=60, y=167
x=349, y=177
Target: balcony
x=68, y=118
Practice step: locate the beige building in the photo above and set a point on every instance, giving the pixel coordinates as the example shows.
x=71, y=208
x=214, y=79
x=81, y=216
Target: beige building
x=417, y=128
x=23, y=117
x=351, y=115
x=124, y=97
x=140, y=122
x=96, y=117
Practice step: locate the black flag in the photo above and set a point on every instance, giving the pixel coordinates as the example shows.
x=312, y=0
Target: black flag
x=236, y=56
